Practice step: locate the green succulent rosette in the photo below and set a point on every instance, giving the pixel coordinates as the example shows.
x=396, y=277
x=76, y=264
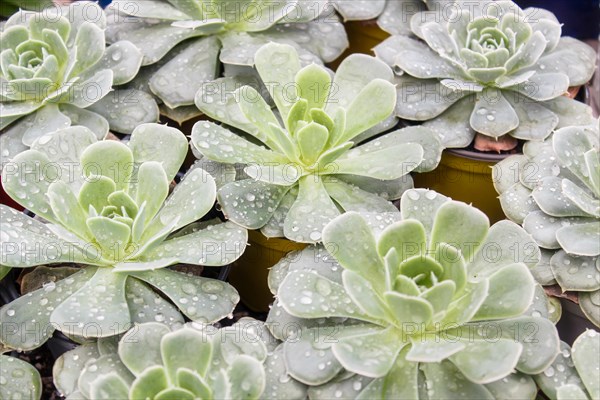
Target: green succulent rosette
x=504, y=67
x=153, y=361
x=310, y=159
x=553, y=190
x=186, y=43
x=56, y=71
x=108, y=209
x=428, y=303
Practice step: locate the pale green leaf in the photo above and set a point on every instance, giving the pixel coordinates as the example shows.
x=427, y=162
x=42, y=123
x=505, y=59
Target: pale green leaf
x=303, y=223
x=486, y=361
x=100, y=303
x=200, y=299
x=371, y=354
x=186, y=348
x=511, y=291
x=109, y=158
x=340, y=238
x=278, y=64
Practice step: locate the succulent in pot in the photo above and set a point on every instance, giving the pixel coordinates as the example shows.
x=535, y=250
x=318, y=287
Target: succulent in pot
x=18, y=379
x=303, y=172
x=108, y=210
x=575, y=373
x=505, y=68
x=153, y=361
x=434, y=305
x=57, y=72
x=553, y=190
x=172, y=34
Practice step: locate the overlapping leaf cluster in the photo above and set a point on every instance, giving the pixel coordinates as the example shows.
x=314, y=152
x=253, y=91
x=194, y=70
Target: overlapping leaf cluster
x=407, y=309
x=57, y=72
x=195, y=361
x=553, y=190
x=310, y=163
x=505, y=68
x=108, y=209
x=185, y=42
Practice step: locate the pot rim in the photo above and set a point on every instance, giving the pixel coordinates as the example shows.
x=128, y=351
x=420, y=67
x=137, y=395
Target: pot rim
x=479, y=156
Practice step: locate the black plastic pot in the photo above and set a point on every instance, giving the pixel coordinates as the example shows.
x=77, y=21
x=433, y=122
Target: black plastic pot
x=573, y=321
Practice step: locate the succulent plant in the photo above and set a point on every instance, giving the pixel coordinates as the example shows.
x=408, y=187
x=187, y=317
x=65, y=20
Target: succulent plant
x=575, y=373
x=505, y=67
x=172, y=34
x=553, y=190
x=19, y=379
x=303, y=172
x=431, y=306
x=397, y=17
x=57, y=71
x=152, y=361
x=109, y=210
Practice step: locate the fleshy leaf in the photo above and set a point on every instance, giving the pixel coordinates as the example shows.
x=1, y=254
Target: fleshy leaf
x=24, y=381
x=107, y=314
x=585, y=353
x=469, y=227
x=303, y=223
x=149, y=383
x=371, y=355
x=217, y=245
x=326, y=299
x=500, y=357
x=186, y=348
x=278, y=64
x=200, y=299
x=340, y=236
x=111, y=159
x=507, y=298
x=250, y=203
x=493, y=115
x=247, y=378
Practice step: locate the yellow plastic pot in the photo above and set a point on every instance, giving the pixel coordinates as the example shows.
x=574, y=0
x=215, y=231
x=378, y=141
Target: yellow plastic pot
x=362, y=36
x=249, y=273
x=466, y=176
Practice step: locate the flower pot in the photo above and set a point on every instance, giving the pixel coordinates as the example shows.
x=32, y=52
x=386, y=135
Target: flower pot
x=466, y=176
x=249, y=273
x=573, y=321
x=364, y=35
